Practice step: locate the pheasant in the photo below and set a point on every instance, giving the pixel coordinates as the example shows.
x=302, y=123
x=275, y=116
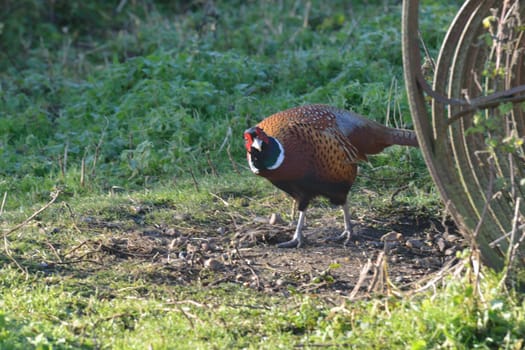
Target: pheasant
x=312, y=151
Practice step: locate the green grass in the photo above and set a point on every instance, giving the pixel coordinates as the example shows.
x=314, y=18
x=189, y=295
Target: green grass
x=247, y=320
x=93, y=299
x=152, y=98
x=229, y=317
x=145, y=104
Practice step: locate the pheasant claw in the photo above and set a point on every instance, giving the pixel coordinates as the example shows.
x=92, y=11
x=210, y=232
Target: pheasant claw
x=297, y=240
x=346, y=235
x=294, y=243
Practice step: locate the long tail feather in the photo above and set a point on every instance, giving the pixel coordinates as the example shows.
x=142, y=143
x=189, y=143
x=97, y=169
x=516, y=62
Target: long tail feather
x=403, y=137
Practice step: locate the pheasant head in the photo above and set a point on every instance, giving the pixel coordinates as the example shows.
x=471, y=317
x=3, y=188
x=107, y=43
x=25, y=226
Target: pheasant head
x=264, y=152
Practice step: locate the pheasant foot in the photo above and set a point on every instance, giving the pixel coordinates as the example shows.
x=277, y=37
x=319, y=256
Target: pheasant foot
x=294, y=243
x=297, y=240
x=348, y=232
x=346, y=235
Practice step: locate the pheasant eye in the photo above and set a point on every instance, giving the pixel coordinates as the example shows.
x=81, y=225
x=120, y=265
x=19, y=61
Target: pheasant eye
x=261, y=135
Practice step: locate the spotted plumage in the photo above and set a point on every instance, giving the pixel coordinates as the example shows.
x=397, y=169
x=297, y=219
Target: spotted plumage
x=314, y=150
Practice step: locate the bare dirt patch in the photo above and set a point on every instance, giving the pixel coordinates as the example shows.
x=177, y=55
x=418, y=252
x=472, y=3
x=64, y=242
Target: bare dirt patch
x=390, y=254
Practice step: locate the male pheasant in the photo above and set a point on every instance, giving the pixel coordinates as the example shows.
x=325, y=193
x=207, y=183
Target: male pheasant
x=313, y=150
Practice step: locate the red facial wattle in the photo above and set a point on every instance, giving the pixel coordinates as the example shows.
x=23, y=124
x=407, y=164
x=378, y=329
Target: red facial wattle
x=248, y=141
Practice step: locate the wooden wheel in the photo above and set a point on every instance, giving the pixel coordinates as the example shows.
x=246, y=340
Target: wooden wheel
x=470, y=123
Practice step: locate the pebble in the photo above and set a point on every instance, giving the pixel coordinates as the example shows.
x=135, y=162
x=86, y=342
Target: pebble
x=179, y=241
x=276, y=219
x=450, y=251
x=414, y=243
x=181, y=217
x=450, y=237
x=137, y=209
x=441, y=244
x=171, y=232
x=191, y=248
x=391, y=236
x=213, y=264
x=260, y=220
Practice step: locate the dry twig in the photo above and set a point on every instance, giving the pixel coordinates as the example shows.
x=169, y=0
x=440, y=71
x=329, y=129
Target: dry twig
x=3, y=203
x=54, y=196
x=362, y=277
x=234, y=165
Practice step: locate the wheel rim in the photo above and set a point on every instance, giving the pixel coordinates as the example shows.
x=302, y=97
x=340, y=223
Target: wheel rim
x=465, y=174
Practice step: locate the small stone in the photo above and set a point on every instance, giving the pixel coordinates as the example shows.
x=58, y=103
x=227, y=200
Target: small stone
x=88, y=219
x=450, y=237
x=441, y=244
x=190, y=248
x=433, y=261
x=396, y=258
x=171, y=232
x=268, y=289
x=137, y=209
x=260, y=220
x=450, y=251
x=208, y=246
x=181, y=216
x=391, y=236
x=213, y=264
x=276, y=219
x=414, y=243
x=152, y=232
x=179, y=241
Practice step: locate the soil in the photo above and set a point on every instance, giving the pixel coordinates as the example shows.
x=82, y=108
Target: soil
x=392, y=253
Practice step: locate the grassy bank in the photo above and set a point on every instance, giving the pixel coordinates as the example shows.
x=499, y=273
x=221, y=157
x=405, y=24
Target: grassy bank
x=163, y=91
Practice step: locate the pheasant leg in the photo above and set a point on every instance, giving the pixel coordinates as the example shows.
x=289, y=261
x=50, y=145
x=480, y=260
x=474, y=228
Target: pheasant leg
x=294, y=210
x=348, y=232
x=297, y=240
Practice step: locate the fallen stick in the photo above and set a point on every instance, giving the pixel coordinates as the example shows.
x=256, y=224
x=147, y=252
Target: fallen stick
x=54, y=196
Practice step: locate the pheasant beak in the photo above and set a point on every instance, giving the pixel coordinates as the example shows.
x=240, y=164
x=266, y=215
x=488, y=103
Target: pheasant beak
x=257, y=144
